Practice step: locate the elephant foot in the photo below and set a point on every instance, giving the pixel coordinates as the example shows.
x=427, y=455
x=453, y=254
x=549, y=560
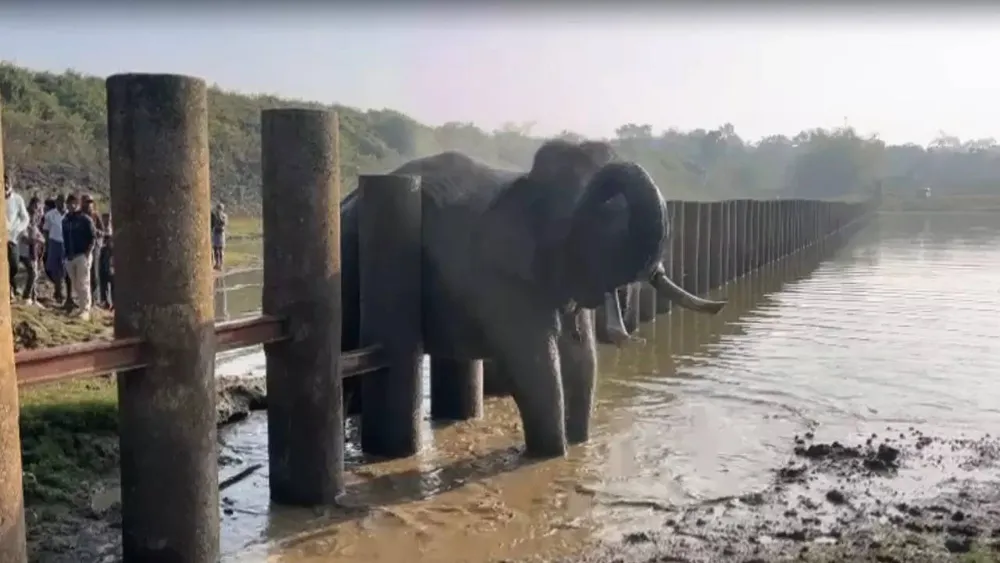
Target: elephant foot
x=545, y=446
x=544, y=452
x=577, y=433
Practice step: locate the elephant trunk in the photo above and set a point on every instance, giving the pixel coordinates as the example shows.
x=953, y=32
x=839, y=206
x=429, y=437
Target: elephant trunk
x=676, y=294
x=633, y=254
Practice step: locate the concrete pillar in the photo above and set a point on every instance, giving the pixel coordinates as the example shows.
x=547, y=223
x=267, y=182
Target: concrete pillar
x=494, y=384
x=739, y=223
x=389, y=233
x=690, y=280
x=717, y=247
x=160, y=199
x=456, y=389
x=12, y=532
x=674, y=259
x=767, y=230
x=756, y=239
x=731, y=256
x=302, y=284
x=647, y=302
x=704, y=247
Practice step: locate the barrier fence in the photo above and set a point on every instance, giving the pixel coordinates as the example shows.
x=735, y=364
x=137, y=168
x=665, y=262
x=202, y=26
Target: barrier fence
x=166, y=339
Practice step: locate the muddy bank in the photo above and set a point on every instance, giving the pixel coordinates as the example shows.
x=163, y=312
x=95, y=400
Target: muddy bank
x=75, y=517
x=896, y=496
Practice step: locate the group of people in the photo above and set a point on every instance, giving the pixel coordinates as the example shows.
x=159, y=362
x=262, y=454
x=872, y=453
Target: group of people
x=67, y=238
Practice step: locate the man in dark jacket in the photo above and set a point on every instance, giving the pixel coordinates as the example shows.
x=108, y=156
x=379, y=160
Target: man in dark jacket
x=79, y=235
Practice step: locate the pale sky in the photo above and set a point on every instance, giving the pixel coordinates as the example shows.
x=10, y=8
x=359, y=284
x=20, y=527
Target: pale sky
x=904, y=75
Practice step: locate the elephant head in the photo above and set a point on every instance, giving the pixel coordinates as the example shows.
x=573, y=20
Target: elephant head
x=601, y=223
x=595, y=222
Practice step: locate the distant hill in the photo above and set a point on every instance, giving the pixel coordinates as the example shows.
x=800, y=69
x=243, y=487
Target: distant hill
x=55, y=137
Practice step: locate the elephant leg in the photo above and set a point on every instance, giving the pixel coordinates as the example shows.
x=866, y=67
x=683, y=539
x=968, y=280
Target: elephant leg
x=578, y=370
x=528, y=352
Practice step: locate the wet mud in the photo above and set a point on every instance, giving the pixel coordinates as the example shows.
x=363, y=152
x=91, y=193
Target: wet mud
x=902, y=495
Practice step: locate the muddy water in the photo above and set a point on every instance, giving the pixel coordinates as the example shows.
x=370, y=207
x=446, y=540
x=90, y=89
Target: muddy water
x=847, y=341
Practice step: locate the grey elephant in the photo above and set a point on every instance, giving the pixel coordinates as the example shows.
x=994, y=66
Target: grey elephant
x=514, y=264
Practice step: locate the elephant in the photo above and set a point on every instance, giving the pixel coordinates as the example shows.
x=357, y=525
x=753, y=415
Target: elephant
x=514, y=264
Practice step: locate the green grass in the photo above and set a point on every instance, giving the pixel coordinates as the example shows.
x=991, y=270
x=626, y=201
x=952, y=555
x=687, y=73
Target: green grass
x=68, y=430
x=69, y=438
x=981, y=554
x=245, y=227
x=238, y=259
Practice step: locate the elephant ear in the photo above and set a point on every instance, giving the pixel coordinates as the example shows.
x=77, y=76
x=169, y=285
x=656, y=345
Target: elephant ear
x=525, y=227
x=507, y=234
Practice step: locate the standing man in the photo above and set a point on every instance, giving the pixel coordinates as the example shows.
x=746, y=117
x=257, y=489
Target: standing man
x=30, y=249
x=79, y=235
x=17, y=222
x=106, y=265
x=89, y=206
x=219, y=221
x=61, y=206
x=55, y=254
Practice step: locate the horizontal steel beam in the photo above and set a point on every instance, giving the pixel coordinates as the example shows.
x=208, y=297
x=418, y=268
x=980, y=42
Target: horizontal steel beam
x=74, y=361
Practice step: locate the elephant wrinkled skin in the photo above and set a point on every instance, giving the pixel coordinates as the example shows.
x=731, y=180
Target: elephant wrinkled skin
x=514, y=264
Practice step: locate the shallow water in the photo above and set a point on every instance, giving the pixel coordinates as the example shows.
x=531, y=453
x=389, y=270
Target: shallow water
x=897, y=327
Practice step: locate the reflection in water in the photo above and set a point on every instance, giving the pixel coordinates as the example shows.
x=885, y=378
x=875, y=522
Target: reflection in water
x=868, y=335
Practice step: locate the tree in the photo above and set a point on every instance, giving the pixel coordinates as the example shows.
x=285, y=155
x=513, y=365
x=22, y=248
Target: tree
x=55, y=135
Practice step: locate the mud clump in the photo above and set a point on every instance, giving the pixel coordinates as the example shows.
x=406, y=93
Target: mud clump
x=883, y=458
x=899, y=496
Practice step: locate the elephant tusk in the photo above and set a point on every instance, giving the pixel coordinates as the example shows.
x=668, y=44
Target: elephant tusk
x=676, y=294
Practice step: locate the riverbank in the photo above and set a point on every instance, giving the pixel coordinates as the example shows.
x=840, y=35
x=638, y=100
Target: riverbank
x=69, y=434
x=899, y=496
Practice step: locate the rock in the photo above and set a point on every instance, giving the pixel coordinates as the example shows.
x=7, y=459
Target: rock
x=958, y=545
x=835, y=497
x=103, y=500
x=237, y=397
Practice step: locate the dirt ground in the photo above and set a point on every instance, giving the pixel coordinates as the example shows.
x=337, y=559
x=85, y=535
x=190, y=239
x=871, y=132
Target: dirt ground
x=48, y=325
x=901, y=496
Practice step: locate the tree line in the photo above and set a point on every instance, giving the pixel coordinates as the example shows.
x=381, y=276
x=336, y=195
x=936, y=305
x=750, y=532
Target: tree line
x=55, y=137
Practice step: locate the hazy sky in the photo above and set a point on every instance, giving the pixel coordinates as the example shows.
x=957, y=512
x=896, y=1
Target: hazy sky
x=903, y=75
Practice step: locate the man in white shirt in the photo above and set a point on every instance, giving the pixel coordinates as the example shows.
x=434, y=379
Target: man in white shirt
x=55, y=252
x=17, y=222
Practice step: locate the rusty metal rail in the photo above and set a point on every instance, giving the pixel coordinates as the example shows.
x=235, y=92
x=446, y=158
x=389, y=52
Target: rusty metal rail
x=74, y=361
